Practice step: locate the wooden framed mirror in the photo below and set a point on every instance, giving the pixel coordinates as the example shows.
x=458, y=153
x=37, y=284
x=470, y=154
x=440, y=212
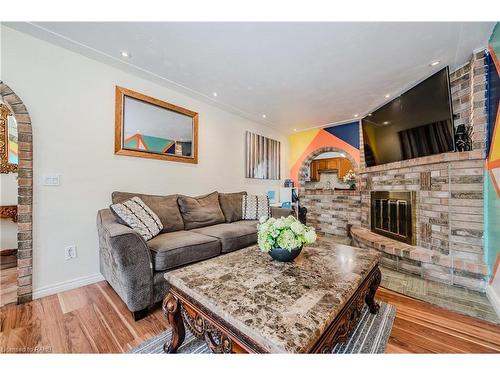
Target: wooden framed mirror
x=8, y=141
x=146, y=127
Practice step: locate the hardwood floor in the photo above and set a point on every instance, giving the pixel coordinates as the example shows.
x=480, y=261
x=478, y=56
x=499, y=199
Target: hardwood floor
x=8, y=286
x=93, y=319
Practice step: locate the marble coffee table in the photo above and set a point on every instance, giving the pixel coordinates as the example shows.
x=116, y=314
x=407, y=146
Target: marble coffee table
x=244, y=302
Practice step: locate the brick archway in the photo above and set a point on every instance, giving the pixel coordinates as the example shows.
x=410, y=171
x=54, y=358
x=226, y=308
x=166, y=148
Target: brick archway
x=306, y=164
x=25, y=194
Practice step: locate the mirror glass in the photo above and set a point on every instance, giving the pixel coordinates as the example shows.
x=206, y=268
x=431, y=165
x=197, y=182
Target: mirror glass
x=12, y=148
x=154, y=129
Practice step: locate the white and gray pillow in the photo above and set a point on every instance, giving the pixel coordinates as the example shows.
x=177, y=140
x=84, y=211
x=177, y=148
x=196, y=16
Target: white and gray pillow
x=138, y=216
x=255, y=206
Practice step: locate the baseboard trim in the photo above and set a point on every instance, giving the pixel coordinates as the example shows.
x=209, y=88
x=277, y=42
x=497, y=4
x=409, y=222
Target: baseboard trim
x=67, y=285
x=494, y=299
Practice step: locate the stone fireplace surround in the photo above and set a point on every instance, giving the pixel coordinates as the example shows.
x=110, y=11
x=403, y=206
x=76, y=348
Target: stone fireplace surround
x=449, y=189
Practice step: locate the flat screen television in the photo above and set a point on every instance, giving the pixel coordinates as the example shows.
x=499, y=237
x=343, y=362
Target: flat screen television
x=415, y=124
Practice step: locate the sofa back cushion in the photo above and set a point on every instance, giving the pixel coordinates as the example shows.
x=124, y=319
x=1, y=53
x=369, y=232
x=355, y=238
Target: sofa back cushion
x=164, y=206
x=138, y=216
x=201, y=211
x=231, y=205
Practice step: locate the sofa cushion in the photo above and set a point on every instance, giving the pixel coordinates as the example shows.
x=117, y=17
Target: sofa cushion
x=231, y=205
x=138, y=216
x=164, y=206
x=252, y=223
x=200, y=211
x=174, y=249
x=232, y=236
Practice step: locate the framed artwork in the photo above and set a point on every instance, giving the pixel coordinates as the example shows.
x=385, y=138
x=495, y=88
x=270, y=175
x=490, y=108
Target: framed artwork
x=263, y=157
x=146, y=127
x=8, y=141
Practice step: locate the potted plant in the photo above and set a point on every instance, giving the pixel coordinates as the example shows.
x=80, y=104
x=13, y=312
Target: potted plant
x=350, y=178
x=283, y=238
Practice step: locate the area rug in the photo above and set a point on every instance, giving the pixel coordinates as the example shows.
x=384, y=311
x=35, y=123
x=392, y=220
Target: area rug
x=370, y=336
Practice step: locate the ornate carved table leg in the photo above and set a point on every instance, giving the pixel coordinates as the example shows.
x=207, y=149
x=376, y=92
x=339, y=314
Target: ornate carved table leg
x=172, y=311
x=370, y=297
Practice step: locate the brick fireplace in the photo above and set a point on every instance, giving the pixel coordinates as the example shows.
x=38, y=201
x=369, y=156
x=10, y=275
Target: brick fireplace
x=447, y=227
x=393, y=215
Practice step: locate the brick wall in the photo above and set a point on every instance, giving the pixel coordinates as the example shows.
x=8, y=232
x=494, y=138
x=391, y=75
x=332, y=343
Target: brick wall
x=331, y=211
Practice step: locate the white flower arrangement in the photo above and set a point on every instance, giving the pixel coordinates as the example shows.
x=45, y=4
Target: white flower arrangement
x=286, y=233
x=349, y=177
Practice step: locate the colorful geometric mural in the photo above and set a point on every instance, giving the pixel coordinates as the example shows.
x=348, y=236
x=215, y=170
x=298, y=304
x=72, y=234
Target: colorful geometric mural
x=343, y=137
x=492, y=175
x=144, y=142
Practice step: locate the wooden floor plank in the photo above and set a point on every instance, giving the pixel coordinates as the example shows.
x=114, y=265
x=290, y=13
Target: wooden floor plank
x=93, y=319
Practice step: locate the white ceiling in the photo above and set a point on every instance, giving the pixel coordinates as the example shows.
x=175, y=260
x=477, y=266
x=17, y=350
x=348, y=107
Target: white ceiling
x=300, y=75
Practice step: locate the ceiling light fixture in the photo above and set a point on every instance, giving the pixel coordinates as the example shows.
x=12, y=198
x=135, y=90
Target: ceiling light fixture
x=214, y=94
x=386, y=122
x=434, y=63
x=294, y=130
x=356, y=115
x=369, y=114
x=125, y=54
x=387, y=96
x=264, y=116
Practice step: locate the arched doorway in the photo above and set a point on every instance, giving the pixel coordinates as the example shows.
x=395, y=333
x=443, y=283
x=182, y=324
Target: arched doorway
x=25, y=193
x=304, y=169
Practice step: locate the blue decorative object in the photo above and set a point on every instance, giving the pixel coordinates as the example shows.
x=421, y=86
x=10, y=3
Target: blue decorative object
x=286, y=205
x=284, y=255
x=271, y=194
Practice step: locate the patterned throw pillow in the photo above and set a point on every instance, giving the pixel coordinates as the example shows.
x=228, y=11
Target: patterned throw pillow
x=135, y=214
x=255, y=206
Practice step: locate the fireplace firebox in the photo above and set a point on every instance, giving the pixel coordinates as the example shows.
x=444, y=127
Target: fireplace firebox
x=393, y=214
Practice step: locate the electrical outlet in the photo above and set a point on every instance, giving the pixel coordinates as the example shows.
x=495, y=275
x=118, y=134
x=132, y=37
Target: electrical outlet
x=51, y=180
x=70, y=252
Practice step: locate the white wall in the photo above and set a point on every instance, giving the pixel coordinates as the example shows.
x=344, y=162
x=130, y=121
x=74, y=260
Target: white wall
x=71, y=102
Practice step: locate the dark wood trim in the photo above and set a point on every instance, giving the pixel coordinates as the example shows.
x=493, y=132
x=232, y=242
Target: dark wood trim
x=141, y=314
x=222, y=337
x=172, y=310
x=120, y=93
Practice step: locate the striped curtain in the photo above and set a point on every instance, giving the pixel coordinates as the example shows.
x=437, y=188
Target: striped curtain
x=262, y=157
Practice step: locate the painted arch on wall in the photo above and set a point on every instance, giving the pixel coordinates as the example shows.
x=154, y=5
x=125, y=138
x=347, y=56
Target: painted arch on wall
x=344, y=137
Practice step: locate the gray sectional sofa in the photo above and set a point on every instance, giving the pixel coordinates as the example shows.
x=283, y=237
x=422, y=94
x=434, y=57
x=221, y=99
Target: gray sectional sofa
x=194, y=229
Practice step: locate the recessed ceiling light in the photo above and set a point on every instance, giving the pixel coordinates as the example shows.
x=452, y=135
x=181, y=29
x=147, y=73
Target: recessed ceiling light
x=125, y=54
x=434, y=63
x=294, y=130
x=356, y=115
x=214, y=94
x=385, y=122
x=387, y=96
x=264, y=116
x=369, y=114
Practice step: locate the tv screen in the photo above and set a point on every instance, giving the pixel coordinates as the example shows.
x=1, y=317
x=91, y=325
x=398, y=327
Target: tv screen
x=417, y=123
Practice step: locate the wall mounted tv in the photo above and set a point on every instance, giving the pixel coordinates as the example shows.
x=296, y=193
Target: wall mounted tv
x=417, y=123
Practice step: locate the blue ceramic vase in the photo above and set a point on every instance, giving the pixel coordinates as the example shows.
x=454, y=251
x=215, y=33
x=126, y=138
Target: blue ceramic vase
x=284, y=255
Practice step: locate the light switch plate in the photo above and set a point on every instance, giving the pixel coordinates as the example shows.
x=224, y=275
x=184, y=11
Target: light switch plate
x=51, y=180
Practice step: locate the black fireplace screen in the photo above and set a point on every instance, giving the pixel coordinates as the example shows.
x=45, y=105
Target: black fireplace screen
x=393, y=214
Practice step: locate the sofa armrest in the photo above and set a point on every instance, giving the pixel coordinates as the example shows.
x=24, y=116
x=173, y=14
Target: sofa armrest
x=125, y=261
x=278, y=212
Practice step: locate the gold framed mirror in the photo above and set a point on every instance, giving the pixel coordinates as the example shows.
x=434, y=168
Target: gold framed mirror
x=146, y=127
x=8, y=141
